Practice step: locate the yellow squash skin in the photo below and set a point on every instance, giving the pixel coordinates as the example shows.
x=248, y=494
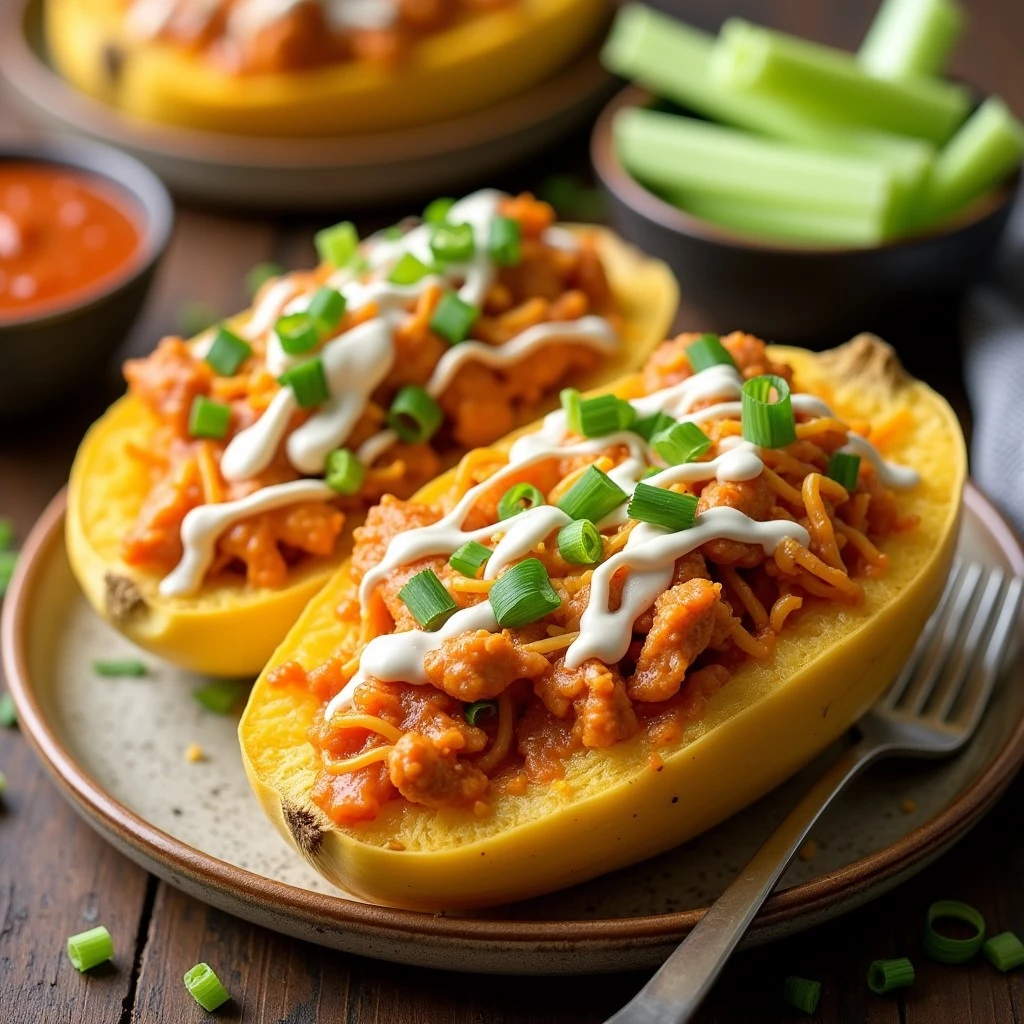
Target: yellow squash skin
x=231, y=629
x=478, y=62
x=615, y=808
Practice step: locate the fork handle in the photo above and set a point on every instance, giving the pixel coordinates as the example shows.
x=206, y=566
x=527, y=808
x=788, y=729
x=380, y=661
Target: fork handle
x=676, y=991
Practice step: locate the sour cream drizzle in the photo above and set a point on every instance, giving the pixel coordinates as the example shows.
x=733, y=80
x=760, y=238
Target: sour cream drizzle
x=650, y=552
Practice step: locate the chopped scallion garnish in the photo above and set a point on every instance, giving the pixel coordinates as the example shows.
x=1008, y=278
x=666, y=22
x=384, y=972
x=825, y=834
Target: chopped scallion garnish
x=648, y=426
x=437, y=210
x=580, y=543
x=414, y=415
x=453, y=319
x=473, y=711
x=651, y=504
x=220, y=697
x=603, y=415
x=518, y=498
x=207, y=418
x=843, y=467
x=308, y=381
x=409, y=270
x=505, y=241
x=768, y=422
x=682, y=442
x=469, y=558
x=428, y=601
x=570, y=399
x=344, y=472
x=887, y=975
x=708, y=351
x=227, y=353
x=205, y=987
x=326, y=309
x=523, y=594
x=8, y=713
x=337, y=245
x=945, y=949
x=90, y=948
x=259, y=275
x=297, y=333
x=802, y=993
x=453, y=243
x=593, y=496
x=1004, y=951
x=113, y=668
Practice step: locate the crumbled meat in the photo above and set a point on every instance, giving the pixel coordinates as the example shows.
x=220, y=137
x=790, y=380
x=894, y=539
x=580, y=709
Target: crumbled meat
x=427, y=771
x=751, y=497
x=481, y=665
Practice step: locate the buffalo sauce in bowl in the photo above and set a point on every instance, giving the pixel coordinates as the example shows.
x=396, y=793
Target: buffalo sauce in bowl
x=66, y=236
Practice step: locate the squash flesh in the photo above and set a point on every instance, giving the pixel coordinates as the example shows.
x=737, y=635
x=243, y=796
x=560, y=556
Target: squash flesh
x=231, y=629
x=764, y=724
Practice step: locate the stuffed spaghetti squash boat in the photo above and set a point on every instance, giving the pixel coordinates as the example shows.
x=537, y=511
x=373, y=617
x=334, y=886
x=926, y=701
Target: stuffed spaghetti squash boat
x=312, y=67
x=210, y=503
x=604, y=635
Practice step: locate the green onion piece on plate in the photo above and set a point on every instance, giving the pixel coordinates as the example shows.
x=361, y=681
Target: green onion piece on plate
x=802, y=993
x=945, y=949
x=6, y=533
x=428, y=601
x=308, y=381
x=651, y=504
x=8, y=713
x=259, y=275
x=682, y=442
x=326, y=309
x=113, y=668
x=887, y=975
x=473, y=711
x=592, y=497
x=604, y=414
x=205, y=987
x=708, y=351
x=453, y=319
x=768, y=422
x=1004, y=951
x=207, y=418
x=414, y=415
x=437, y=210
x=227, y=353
x=297, y=333
x=570, y=400
x=91, y=948
x=409, y=270
x=221, y=697
x=337, y=245
x=453, y=243
x=344, y=472
x=843, y=467
x=648, y=426
x=505, y=241
x=518, y=498
x=523, y=594
x=580, y=543
x=469, y=558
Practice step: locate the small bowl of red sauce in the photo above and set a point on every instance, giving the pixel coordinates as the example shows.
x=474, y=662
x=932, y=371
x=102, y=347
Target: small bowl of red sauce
x=82, y=228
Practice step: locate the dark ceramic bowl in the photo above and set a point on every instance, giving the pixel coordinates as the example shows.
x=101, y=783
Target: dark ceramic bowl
x=51, y=354
x=807, y=295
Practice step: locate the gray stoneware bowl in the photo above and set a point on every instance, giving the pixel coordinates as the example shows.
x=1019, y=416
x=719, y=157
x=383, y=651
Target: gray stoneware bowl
x=805, y=295
x=50, y=355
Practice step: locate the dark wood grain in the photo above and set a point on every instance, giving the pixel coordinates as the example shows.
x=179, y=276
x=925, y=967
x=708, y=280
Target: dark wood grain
x=57, y=877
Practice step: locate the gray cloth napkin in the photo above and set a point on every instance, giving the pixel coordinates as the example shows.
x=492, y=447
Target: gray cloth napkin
x=994, y=372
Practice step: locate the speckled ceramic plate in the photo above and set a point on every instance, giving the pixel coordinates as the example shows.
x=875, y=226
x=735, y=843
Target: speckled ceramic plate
x=116, y=748
x=242, y=171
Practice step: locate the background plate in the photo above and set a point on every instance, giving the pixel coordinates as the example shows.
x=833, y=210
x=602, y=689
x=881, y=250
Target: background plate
x=243, y=171
x=116, y=748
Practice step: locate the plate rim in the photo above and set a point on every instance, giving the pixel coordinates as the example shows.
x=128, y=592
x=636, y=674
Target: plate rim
x=180, y=861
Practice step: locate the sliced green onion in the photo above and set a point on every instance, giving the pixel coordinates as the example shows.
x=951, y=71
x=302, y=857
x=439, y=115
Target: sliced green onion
x=802, y=994
x=887, y=975
x=469, y=558
x=523, y=594
x=518, y=498
x=651, y=471
x=308, y=382
x=648, y=426
x=708, y=351
x=843, y=467
x=113, y=668
x=682, y=442
x=337, y=245
x=8, y=713
x=8, y=560
x=227, y=353
x=414, y=416
x=453, y=319
x=603, y=415
x=6, y=533
x=505, y=241
x=1004, y=951
x=768, y=423
x=428, y=601
x=953, y=951
x=480, y=707
x=195, y=317
x=579, y=543
x=437, y=210
x=651, y=504
x=326, y=309
x=297, y=332
x=220, y=697
x=344, y=472
x=205, y=987
x=570, y=399
x=207, y=418
x=91, y=948
x=592, y=497
x=259, y=275
x=453, y=243
x=409, y=270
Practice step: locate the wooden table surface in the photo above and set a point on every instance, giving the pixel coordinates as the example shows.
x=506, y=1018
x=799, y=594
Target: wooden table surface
x=57, y=877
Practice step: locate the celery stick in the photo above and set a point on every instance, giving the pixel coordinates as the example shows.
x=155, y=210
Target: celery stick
x=676, y=154
x=674, y=60
x=783, y=222
x=830, y=84
x=911, y=37
x=983, y=153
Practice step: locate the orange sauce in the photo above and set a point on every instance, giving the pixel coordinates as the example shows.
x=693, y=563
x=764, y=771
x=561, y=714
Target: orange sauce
x=64, y=235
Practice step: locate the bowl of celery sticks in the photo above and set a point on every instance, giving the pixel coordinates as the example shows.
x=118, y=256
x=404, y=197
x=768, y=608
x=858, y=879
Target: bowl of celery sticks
x=802, y=191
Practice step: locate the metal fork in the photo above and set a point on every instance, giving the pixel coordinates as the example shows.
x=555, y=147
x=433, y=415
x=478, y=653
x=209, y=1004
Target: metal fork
x=931, y=710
